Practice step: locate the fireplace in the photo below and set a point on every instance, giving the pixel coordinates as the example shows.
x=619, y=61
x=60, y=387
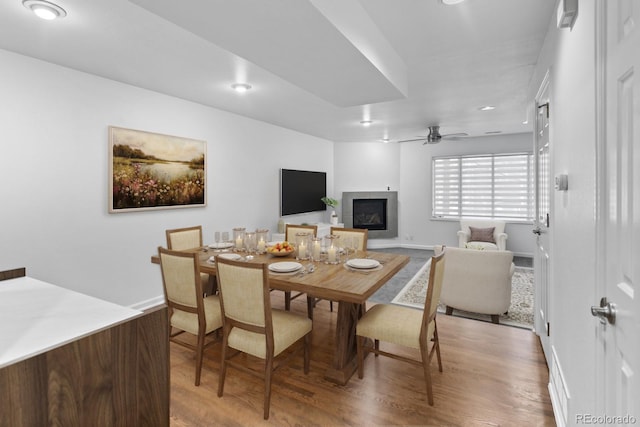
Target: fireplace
x=377, y=211
x=370, y=214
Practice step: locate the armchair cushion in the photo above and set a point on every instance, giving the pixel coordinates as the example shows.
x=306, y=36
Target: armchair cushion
x=482, y=234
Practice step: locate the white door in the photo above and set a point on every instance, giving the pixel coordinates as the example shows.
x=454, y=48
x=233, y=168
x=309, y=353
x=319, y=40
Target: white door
x=541, y=224
x=619, y=264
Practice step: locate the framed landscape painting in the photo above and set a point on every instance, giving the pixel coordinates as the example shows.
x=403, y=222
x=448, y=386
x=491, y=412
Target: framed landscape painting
x=153, y=171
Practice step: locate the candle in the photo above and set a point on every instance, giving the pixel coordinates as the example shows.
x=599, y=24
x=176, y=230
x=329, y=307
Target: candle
x=316, y=251
x=331, y=254
x=261, y=245
x=302, y=250
x=239, y=242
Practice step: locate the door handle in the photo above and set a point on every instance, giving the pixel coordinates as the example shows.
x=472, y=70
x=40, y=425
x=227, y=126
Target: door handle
x=606, y=312
x=537, y=231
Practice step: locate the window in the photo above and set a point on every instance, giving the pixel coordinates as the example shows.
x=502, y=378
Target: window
x=491, y=186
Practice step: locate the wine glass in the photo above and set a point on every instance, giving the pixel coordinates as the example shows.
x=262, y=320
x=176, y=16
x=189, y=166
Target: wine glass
x=347, y=245
x=216, y=237
x=225, y=236
x=355, y=244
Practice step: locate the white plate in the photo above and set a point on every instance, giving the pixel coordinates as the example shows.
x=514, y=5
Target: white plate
x=230, y=256
x=221, y=245
x=285, y=266
x=364, y=263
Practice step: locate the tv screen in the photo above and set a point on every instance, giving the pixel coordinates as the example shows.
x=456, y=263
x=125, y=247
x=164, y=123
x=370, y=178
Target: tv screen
x=301, y=191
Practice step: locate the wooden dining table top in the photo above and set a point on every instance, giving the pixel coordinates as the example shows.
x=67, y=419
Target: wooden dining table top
x=336, y=282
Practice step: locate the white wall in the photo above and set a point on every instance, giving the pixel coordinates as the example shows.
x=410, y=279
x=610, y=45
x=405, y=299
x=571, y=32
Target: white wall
x=54, y=217
x=569, y=56
x=406, y=168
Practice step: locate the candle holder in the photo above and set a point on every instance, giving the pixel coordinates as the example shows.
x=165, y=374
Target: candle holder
x=332, y=246
x=262, y=237
x=303, y=246
x=238, y=239
x=250, y=242
x=316, y=249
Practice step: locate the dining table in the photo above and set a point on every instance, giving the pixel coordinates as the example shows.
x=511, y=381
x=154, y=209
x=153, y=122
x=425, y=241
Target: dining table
x=349, y=287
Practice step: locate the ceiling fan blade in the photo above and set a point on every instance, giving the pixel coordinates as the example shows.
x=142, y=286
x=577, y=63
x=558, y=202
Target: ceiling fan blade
x=455, y=135
x=415, y=139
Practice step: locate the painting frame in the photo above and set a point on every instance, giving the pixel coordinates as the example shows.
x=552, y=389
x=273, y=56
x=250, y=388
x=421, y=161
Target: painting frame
x=153, y=171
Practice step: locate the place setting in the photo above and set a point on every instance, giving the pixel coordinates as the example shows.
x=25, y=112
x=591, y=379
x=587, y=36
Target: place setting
x=290, y=268
x=362, y=265
x=222, y=242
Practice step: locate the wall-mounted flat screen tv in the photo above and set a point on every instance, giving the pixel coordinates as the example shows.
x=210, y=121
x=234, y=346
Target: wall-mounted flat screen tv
x=301, y=191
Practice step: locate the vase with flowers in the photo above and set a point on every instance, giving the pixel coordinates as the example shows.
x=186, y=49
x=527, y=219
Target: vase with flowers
x=332, y=203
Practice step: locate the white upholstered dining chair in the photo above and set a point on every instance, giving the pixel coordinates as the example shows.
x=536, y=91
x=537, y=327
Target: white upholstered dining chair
x=251, y=326
x=180, y=239
x=405, y=326
x=189, y=309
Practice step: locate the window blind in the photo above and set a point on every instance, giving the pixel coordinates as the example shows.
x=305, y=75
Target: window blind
x=489, y=186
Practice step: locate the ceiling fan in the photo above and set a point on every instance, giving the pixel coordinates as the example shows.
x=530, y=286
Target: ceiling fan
x=434, y=136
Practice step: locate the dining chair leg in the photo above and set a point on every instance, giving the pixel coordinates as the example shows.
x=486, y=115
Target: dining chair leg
x=360, y=353
x=436, y=343
x=199, y=351
x=427, y=374
x=376, y=345
x=268, y=370
x=223, y=363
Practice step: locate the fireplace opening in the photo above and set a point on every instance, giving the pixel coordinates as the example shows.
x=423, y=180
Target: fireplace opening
x=370, y=214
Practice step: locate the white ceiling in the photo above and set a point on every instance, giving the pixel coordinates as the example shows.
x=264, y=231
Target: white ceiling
x=316, y=66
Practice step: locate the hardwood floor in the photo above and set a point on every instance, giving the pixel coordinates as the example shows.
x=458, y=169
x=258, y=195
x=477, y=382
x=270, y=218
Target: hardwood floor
x=493, y=375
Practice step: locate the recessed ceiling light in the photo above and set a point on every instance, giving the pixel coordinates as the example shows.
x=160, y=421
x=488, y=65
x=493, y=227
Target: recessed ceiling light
x=385, y=140
x=487, y=108
x=366, y=122
x=525, y=122
x=450, y=2
x=44, y=9
x=241, y=87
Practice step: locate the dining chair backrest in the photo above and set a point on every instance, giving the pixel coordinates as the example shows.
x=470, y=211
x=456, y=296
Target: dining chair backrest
x=184, y=238
x=292, y=229
x=434, y=288
x=244, y=292
x=361, y=234
x=181, y=279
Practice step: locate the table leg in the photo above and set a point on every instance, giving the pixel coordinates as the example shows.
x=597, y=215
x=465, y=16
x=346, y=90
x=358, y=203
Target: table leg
x=345, y=362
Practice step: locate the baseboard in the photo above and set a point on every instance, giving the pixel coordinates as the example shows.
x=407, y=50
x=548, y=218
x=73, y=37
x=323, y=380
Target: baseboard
x=373, y=245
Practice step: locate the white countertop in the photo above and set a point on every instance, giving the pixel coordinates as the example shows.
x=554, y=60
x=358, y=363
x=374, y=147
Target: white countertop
x=36, y=316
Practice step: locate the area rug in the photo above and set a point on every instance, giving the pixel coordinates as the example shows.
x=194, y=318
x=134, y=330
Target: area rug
x=520, y=312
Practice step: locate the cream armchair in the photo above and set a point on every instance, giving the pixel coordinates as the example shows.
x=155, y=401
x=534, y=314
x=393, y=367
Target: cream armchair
x=477, y=234
x=477, y=281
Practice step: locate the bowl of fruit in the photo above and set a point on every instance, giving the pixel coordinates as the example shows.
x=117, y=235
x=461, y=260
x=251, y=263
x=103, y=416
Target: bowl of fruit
x=280, y=249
